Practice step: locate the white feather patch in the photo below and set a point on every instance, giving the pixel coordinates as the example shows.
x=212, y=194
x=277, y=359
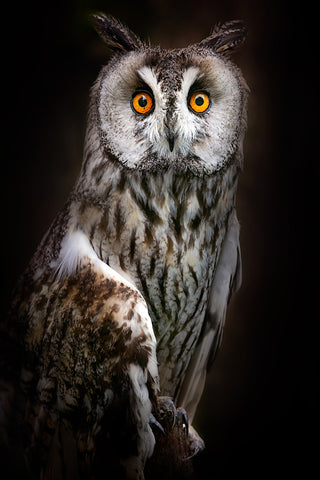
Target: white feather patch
x=74, y=248
x=76, y=251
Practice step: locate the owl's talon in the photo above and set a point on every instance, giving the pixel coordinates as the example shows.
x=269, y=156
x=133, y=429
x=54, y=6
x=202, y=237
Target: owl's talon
x=196, y=444
x=198, y=449
x=154, y=423
x=182, y=419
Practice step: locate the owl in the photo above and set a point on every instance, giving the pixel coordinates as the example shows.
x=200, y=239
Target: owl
x=120, y=312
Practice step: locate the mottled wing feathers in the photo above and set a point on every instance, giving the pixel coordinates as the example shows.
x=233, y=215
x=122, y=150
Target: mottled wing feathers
x=227, y=279
x=89, y=368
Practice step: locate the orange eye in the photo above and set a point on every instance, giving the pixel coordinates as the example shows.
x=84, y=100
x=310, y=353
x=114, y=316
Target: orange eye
x=199, y=102
x=142, y=102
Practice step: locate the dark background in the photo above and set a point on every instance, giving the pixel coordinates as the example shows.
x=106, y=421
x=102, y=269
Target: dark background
x=255, y=415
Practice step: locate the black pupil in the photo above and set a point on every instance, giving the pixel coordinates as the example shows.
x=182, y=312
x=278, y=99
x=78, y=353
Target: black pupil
x=143, y=101
x=199, y=100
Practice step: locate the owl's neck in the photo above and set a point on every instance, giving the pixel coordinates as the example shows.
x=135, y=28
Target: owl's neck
x=117, y=207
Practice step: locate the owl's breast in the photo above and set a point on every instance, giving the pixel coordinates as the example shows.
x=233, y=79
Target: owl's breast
x=175, y=279
x=167, y=243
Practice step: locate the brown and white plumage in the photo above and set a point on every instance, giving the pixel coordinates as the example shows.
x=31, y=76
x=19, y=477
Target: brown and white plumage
x=125, y=299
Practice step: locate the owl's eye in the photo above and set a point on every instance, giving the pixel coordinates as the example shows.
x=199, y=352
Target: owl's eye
x=142, y=102
x=199, y=102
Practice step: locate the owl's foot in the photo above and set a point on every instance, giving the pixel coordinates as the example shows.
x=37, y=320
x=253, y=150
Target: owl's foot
x=176, y=441
x=174, y=421
x=169, y=416
x=156, y=425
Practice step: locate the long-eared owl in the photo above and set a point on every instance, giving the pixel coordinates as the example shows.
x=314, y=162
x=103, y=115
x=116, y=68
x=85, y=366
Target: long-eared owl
x=120, y=312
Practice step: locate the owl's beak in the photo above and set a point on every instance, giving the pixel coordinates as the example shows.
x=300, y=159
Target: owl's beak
x=170, y=125
x=171, y=138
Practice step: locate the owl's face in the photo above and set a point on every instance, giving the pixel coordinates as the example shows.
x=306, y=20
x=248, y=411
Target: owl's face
x=183, y=109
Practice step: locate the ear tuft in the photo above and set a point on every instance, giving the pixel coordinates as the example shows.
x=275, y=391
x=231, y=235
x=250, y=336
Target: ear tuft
x=118, y=38
x=226, y=38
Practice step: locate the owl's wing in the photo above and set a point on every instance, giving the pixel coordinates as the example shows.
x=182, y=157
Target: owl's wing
x=227, y=280
x=89, y=369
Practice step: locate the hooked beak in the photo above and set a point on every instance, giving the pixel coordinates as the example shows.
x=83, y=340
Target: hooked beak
x=171, y=135
x=171, y=138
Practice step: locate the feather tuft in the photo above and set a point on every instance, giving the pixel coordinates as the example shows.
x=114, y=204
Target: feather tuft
x=226, y=38
x=119, y=39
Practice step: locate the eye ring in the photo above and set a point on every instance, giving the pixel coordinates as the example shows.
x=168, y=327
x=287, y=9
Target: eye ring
x=199, y=102
x=142, y=102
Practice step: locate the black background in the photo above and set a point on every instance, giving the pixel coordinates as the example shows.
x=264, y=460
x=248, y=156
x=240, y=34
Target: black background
x=256, y=414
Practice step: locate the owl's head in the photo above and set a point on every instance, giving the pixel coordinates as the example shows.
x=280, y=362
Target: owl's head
x=183, y=109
